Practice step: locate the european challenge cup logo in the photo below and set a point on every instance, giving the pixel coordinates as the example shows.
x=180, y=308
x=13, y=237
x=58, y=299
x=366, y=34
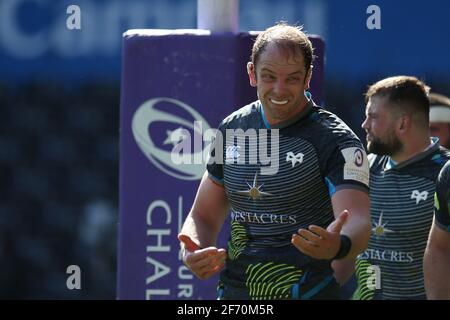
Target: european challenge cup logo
x=180, y=161
x=181, y=145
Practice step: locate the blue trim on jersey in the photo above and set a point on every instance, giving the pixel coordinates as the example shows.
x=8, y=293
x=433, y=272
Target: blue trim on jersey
x=295, y=291
x=438, y=159
x=331, y=187
x=220, y=293
x=219, y=181
x=308, y=95
x=266, y=123
x=311, y=293
x=391, y=164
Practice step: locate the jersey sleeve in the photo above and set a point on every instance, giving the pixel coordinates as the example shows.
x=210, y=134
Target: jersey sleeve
x=346, y=166
x=441, y=199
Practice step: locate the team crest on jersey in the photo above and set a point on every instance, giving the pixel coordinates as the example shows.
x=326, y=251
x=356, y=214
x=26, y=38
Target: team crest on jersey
x=419, y=196
x=356, y=165
x=294, y=158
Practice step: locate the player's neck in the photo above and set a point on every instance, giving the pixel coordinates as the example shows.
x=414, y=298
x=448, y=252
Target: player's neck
x=413, y=148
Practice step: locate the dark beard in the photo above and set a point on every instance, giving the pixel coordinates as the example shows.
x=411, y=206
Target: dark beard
x=380, y=148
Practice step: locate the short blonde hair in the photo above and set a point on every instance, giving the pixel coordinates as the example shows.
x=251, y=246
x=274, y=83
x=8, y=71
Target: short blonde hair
x=287, y=37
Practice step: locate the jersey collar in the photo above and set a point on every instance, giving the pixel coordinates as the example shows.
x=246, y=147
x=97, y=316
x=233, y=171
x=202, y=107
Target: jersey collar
x=433, y=147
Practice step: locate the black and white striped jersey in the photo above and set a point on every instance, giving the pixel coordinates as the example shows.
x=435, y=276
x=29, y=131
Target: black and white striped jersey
x=277, y=180
x=402, y=199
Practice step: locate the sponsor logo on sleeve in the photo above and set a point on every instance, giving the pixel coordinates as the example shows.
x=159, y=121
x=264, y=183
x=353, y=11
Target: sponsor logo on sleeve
x=356, y=165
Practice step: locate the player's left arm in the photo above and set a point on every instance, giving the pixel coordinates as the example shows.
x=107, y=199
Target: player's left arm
x=356, y=228
x=436, y=264
x=358, y=225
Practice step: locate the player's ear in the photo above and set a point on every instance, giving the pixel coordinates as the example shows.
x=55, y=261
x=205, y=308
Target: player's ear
x=251, y=73
x=404, y=122
x=308, y=77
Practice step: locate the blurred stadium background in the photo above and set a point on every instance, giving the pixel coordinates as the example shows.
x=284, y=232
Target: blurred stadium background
x=59, y=114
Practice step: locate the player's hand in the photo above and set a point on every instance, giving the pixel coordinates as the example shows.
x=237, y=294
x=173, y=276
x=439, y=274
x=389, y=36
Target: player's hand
x=319, y=243
x=203, y=263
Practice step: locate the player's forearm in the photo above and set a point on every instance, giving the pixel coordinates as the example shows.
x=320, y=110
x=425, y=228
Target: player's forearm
x=437, y=275
x=343, y=270
x=200, y=230
x=357, y=228
x=357, y=225
x=207, y=215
